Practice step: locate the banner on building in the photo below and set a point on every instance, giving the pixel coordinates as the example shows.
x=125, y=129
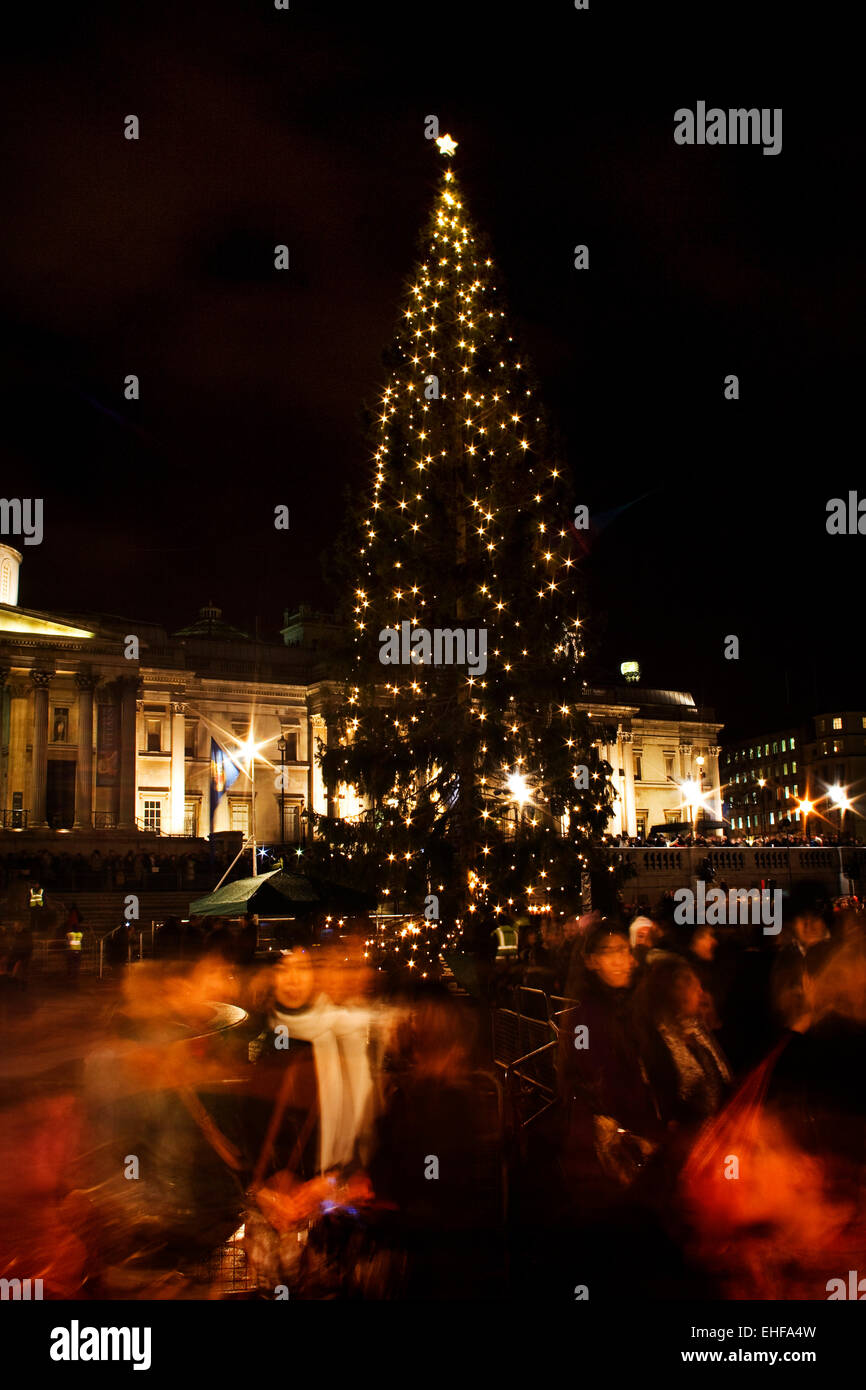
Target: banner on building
x=223, y=775
x=107, y=745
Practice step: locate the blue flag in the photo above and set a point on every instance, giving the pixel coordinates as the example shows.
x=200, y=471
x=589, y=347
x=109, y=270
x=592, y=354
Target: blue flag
x=223, y=775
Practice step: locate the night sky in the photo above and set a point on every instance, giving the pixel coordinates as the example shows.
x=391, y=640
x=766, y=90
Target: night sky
x=306, y=127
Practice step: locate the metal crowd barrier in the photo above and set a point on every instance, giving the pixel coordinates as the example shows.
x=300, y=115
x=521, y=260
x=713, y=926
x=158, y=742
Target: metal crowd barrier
x=525, y=1048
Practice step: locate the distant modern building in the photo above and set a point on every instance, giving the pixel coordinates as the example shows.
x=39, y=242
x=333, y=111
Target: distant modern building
x=769, y=778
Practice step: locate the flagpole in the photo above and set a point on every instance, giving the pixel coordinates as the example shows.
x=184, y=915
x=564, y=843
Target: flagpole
x=253, y=818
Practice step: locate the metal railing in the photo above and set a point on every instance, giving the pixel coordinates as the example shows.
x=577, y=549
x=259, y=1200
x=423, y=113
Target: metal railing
x=525, y=1047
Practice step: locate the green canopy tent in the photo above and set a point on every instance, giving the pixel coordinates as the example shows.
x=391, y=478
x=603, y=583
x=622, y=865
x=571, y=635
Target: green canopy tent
x=270, y=895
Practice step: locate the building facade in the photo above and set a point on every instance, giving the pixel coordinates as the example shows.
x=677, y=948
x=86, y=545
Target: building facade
x=820, y=764
x=106, y=727
x=665, y=757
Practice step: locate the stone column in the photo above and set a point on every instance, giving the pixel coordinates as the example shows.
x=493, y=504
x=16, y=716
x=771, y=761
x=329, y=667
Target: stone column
x=16, y=767
x=39, y=770
x=715, y=779
x=128, y=752
x=4, y=779
x=628, y=786
x=86, y=683
x=686, y=750
x=178, y=770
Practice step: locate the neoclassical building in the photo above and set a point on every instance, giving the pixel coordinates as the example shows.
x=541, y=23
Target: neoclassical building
x=107, y=726
x=665, y=757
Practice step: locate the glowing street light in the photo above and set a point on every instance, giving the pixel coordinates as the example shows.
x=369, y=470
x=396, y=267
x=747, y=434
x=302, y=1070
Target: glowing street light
x=249, y=750
x=805, y=808
x=519, y=788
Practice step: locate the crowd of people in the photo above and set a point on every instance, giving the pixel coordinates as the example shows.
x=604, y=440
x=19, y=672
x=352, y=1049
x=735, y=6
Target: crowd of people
x=706, y=1134
x=659, y=839
x=98, y=872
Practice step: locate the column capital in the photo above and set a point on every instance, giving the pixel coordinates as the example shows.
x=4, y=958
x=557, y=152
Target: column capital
x=86, y=680
x=714, y=749
x=41, y=679
x=625, y=735
x=686, y=747
x=19, y=690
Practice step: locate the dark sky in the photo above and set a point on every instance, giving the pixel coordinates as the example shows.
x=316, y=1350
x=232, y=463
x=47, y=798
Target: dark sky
x=307, y=127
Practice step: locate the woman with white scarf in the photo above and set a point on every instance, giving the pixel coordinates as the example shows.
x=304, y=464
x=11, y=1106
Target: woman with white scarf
x=313, y=1061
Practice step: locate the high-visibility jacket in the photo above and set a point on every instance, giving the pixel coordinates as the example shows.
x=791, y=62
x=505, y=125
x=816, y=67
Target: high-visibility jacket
x=74, y=940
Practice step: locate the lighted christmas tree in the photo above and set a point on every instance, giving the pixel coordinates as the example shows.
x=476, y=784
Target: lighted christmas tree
x=469, y=769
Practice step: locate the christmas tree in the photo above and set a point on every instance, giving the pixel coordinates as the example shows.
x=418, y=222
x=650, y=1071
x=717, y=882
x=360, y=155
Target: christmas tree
x=467, y=778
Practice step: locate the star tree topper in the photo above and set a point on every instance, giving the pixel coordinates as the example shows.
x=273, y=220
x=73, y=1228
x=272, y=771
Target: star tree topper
x=446, y=144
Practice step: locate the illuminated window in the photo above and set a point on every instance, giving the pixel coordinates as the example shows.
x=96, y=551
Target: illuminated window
x=190, y=818
x=837, y=721
x=6, y=586
x=153, y=815
x=239, y=814
x=669, y=765
x=637, y=767
x=154, y=736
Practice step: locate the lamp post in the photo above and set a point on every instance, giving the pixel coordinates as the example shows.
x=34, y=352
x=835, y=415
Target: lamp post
x=282, y=745
x=805, y=808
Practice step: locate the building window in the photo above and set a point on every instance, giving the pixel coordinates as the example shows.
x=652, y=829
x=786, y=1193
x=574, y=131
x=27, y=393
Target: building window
x=190, y=818
x=291, y=737
x=766, y=750
x=190, y=732
x=837, y=721
x=154, y=736
x=793, y=767
x=772, y=819
x=60, y=725
x=792, y=745
x=637, y=767
x=837, y=747
x=239, y=815
x=669, y=765
x=640, y=824
x=153, y=815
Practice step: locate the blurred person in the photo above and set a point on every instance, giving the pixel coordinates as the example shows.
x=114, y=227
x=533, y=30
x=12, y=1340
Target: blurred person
x=688, y=1072
x=310, y=1119
x=808, y=908
x=611, y=1118
x=437, y=1172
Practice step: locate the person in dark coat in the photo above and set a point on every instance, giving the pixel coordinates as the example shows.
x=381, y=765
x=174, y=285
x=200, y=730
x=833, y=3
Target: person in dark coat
x=611, y=1117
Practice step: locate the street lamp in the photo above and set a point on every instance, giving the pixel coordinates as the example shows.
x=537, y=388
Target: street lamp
x=805, y=808
x=839, y=798
x=282, y=745
x=249, y=749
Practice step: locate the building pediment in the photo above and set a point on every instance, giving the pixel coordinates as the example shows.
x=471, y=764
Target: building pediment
x=26, y=622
